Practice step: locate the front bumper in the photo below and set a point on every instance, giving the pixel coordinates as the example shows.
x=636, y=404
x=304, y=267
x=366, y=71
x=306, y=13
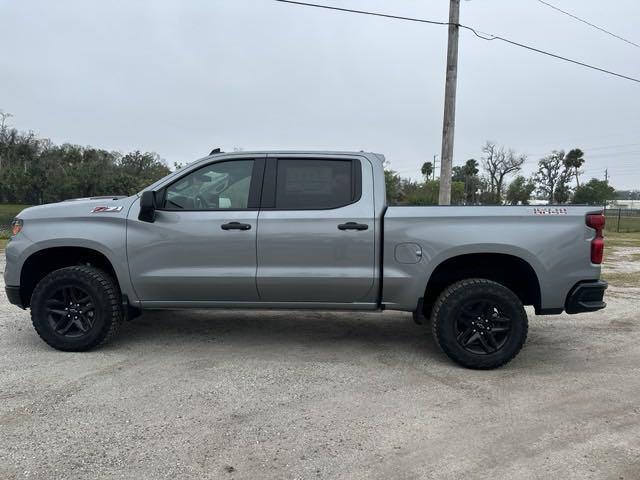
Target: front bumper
x=13, y=294
x=586, y=297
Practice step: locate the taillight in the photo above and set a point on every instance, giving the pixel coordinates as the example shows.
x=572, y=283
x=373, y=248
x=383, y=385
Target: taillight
x=596, y=221
x=597, y=250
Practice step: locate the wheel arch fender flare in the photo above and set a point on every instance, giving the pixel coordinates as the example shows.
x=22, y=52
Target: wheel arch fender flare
x=470, y=254
x=116, y=259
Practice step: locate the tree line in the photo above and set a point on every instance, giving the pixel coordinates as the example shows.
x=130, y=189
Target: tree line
x=34, y=170
x=486, y=182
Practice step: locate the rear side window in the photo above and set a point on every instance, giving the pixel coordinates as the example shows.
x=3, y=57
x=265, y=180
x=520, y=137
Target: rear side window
x=316, y=184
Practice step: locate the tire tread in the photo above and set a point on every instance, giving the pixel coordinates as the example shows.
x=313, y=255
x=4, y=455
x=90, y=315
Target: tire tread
x=109, y=289
x=437, y=321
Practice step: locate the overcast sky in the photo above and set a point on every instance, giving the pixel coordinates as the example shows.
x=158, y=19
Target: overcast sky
x=182, y=77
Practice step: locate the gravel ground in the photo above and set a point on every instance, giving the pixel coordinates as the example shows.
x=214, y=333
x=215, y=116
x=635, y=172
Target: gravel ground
x=250, y=395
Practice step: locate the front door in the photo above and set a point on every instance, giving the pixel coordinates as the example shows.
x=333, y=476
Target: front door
x=202, y=245
x=316, y=231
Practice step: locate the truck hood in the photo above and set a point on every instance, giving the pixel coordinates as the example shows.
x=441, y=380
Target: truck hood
x=80, y=207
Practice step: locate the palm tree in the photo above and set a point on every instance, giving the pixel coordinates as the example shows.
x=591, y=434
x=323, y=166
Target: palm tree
x=573, y=161
x=427, y=169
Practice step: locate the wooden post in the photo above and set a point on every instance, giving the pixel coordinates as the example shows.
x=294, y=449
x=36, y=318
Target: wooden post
x=449, y=120
x=619, y=210
x=435, y=163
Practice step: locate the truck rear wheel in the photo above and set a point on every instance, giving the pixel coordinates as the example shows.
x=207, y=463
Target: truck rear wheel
x=479, y=323
x=76, y=308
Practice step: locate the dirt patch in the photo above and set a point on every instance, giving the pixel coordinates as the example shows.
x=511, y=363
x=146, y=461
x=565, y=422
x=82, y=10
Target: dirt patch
x=622, y=261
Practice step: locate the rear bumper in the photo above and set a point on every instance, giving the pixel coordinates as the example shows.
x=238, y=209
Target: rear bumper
x=13, y=294
x=586, y=297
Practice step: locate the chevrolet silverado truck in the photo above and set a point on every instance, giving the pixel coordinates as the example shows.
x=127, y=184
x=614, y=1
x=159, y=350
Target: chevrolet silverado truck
x=302, y=230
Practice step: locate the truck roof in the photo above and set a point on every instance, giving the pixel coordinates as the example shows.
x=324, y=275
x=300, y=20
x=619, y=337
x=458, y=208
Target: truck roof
x=375, y=157
x=296, y=152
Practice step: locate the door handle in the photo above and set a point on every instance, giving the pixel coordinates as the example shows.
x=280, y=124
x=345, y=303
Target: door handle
x=353, y=226
x=236, y=226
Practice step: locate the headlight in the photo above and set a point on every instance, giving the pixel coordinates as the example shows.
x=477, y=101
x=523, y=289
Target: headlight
x=16, y=226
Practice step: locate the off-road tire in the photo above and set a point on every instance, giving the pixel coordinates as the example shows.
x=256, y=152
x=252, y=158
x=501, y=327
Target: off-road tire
x=447, y=311
x=104, y=295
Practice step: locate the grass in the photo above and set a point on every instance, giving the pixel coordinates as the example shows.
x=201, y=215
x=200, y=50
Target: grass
x=627, y=223
x=10, y=210
x=622, y=279
x=614, y=239
x=3, y=243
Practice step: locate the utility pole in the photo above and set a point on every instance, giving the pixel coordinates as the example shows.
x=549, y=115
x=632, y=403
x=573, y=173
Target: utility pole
x=435, y=162
x=606, y=174
x=449, y=120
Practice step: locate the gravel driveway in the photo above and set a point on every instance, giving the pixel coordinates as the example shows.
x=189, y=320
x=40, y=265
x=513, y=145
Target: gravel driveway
x=247, y=395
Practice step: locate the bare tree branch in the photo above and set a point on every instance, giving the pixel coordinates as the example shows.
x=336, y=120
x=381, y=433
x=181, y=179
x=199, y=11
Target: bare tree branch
x=499, y=164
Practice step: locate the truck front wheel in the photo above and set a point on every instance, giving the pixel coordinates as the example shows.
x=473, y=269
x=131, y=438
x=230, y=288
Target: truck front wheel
x=76, y=308
x=479, y=323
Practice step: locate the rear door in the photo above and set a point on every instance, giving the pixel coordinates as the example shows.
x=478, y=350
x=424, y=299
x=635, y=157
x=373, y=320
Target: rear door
x=316, y=231
x=202, y=245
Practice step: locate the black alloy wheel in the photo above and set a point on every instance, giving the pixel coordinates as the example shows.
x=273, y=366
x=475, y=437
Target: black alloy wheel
x=479, y=323
x=481, y=327
x=70, y=311
x=76, y=308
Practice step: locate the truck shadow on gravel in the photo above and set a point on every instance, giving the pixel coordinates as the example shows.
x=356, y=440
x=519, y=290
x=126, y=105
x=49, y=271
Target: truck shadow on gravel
x=392, y=338
x=281, y=330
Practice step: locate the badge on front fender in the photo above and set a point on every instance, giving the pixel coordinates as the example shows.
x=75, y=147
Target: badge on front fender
x=102, y=209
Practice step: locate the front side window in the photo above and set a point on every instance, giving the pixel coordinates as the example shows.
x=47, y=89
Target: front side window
x=314, y=184
x=218, y=186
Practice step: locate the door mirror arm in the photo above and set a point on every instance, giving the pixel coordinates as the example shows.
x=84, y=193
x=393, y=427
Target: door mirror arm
x=147, y=206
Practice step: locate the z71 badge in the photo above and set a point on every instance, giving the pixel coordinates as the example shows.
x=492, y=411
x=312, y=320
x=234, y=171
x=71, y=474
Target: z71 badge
x=549, y=211
x=107, y=209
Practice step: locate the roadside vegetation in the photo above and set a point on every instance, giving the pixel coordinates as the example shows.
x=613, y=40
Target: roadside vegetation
x=623, y=220
x=495, y=179
x=33, y=170
x=9, y=210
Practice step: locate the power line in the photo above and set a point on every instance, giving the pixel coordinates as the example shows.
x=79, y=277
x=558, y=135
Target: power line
x=559, y=57
x=612, y=146
x=364, y=12
x=477, y=33
x=614, y=167
x=621, y=168
x=590, y=24
x=613, y=154
x=578, y=144
x=589, y=150
x=587, y=154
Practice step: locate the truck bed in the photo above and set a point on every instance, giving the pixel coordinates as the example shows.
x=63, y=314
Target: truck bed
x=553, y=240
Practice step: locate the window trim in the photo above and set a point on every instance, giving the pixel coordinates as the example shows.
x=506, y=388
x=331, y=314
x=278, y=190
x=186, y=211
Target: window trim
x=255, y=187
x=268, y=199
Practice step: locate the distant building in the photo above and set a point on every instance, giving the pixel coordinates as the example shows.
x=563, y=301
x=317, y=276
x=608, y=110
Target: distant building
x=634, y=204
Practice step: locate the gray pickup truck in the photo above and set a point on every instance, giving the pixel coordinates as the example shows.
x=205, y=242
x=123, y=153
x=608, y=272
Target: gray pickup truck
x=302, y=230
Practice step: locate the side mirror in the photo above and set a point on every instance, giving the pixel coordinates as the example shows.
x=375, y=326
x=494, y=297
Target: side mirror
x=147, y=207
